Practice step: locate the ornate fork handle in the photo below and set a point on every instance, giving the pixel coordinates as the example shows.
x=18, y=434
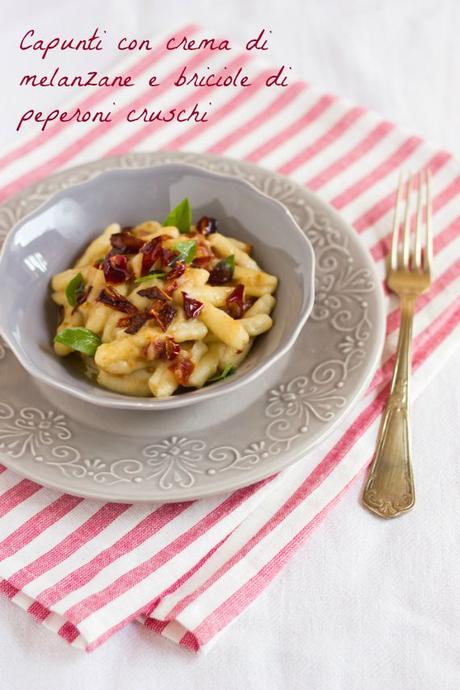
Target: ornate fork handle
x=390, y=487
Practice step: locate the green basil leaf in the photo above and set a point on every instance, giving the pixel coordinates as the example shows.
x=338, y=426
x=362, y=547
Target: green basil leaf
x=180, y=217
x=80, y=339
x=227, y=370
x=73, y=288
x=228, y=262
x=150, y=276
x=187, y=251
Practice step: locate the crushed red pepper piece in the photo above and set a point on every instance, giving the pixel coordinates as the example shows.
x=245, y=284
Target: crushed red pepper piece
x=154, y=292
x=172, y=349
x=182, y=368
x=162, y=348
x=133, y=323
x=125, y=243
x=167, y=348
x=151, y=253
x=111, y=298
x=163, y=314
x=192, y=307
x=170, y=287
x=116, y=268
x=203, y=256
x=162, y=309
x=236, y=306
x=222, y=272
x=176, y=271
x=206, y=225
x=169, y=258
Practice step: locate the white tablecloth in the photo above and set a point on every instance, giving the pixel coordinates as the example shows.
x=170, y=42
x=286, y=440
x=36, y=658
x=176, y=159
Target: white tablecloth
x=365, y=603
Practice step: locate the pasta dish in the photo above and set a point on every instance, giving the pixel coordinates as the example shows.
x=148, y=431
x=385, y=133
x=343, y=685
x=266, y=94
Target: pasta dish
x=158, y=308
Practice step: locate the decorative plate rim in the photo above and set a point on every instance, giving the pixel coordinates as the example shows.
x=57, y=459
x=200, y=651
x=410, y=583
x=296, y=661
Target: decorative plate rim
x=168, y=492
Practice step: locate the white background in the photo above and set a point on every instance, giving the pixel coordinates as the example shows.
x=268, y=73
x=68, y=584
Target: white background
x=366, y=603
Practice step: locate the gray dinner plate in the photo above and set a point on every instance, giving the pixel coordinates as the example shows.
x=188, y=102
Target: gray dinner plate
x=218, y=445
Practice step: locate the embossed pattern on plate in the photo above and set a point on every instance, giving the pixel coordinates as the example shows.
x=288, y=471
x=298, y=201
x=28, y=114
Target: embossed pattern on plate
x=186, y=454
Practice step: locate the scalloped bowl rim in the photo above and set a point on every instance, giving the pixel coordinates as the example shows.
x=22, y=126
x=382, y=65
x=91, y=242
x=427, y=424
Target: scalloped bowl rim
x=230, y=385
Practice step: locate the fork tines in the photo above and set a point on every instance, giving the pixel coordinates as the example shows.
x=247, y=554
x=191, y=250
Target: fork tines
x=422, y=254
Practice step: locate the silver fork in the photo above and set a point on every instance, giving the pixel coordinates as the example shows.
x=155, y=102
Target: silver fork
x=390, y=488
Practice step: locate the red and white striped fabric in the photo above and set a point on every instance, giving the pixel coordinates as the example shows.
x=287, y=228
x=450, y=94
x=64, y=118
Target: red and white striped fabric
x=187, y=570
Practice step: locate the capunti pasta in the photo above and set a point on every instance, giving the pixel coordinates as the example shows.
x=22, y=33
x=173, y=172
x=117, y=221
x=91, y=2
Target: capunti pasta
x=158, y=308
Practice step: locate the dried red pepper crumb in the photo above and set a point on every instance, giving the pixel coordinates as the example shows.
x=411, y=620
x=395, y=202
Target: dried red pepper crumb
x=176, y=271
x=192, y=307
x=116, y=268
x=221, y=273
x=133, y=323
x=125, y=243
x=151, y=253
x=206, y=225
x=162, y=309
x=172, y=349
x=111, y=298
x=236, y=306
x=163, y=315
x=167, y=348
x=170, y=287
x=162, y=348
x=169, y=258
x=203, y=256
x=182, y=369
x=155, y=293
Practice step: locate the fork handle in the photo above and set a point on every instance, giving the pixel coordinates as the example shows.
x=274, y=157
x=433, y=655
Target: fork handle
x=390, y=488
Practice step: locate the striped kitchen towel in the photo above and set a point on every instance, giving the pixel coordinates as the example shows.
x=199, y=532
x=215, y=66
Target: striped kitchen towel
x=85, y=569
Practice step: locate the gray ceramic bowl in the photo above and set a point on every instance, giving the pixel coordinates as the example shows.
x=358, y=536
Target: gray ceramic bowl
x=49, y=240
